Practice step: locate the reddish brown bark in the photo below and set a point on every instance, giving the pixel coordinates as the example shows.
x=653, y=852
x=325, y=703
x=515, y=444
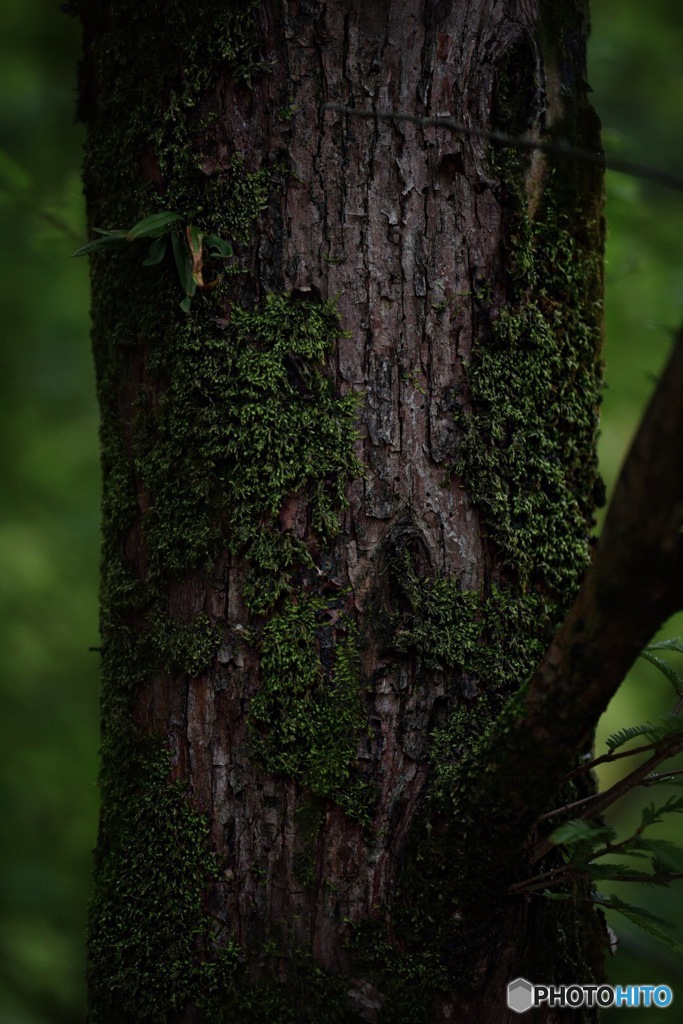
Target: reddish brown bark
x=408, y=226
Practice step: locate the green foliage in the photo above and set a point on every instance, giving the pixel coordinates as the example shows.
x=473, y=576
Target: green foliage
x=189, y=248
x=667, y=670
x=651, y=814
x=583, y=835
x=670, y=726
x=641, y=917
x=588, y=847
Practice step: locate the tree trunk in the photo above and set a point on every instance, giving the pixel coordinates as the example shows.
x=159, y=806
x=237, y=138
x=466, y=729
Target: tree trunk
x=347, y=497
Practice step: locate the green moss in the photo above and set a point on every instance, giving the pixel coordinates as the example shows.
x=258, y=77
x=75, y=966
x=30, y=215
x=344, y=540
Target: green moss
x=248, y=420
x=224, y=203
x=308, y=994
x=154, y=96
x=208, y=432
x=308, y=713
x=527, y=450
x=310, y=817
x=406, y=980
x=526, y=456
x=152, y=947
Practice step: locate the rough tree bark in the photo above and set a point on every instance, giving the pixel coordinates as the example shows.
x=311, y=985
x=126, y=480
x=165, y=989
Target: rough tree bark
x=347, y=501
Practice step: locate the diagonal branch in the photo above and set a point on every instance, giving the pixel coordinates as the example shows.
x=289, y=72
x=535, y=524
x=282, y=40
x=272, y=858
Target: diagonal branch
x=523, y=142
x=608, y=759
x=593, y=806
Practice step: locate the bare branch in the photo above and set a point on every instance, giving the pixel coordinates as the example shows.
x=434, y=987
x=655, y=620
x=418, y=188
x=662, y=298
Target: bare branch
x=606, y=759
x=523, y=142
x=654, y=780
x=594, y=805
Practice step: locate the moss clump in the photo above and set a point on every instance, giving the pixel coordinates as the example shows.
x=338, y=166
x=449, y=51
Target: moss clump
x=406, y=980
x=527, y=449
x=248, y=419
x=214, y=426
x=491, y=640
x=308, y=994
x=308, y=713
x=152, y=947
x=154, y=97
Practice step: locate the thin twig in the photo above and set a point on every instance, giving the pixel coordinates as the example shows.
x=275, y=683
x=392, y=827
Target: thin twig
x=608, y=759
x=599, y=802
x=652, y=780
x=571, y=871
x=666, y=747
x=660, y=878
x=524, y=142
x=545, y=879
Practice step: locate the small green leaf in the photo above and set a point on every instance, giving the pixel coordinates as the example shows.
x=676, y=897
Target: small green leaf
x=104, y=242
x=218, y=247
x=157, y=251
x=152, y=226
x=185, y=304
x=662, y=874
x=669, y=857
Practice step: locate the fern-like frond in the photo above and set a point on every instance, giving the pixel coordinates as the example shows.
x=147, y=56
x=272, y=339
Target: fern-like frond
x=577, y=832
x=649, y=923
x=669, y=725
x=651, y=814
x=667, y=670
x=602, y=870
x=675, y=643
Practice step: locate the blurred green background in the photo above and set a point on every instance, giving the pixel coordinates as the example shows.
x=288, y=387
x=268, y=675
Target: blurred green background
x=49, y=518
